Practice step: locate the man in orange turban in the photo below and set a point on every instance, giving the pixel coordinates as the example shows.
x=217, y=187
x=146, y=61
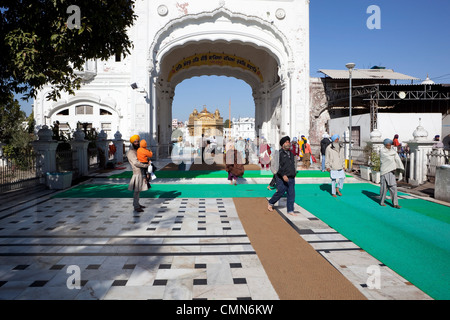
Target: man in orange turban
x=137, y=182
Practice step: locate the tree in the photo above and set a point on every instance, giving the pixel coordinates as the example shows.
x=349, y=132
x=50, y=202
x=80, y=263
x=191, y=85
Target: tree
x=11, y=119
x=227, y=123
x=45, y=41
x=16, y=131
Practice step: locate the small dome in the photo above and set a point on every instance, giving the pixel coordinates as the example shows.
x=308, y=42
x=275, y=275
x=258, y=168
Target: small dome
x=420, y=133
x=375, y=135
x=428, y=81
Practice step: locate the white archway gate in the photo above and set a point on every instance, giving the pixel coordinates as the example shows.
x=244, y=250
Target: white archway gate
x=265, y=43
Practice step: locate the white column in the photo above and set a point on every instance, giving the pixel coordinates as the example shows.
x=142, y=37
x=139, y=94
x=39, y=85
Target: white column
x=45, y=149
x=81, y=146
x=118, y=143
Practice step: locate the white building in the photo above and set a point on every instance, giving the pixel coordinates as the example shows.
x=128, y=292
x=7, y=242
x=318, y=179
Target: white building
x=389, y=124
x=241, y=128
x=263, y=42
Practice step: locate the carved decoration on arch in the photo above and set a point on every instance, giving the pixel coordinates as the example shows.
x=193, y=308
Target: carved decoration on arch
x=209, y=16
x=226, y=71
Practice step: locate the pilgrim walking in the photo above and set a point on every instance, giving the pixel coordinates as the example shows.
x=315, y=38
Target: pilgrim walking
x=324, y=143
x=391, y=165
x=137, y=183
x=335, y=164
x=234, y=164
x=285, y=176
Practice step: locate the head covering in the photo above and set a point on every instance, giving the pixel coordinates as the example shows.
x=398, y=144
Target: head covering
x=334, y=137
x=388, y=141
x=284, y=139
x=436, y=137
x=143, y=144
x=396, y=136
x=134, y=138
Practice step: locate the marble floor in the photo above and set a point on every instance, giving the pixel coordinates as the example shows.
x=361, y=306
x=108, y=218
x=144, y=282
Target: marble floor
x=177, y=249
x=100, y=249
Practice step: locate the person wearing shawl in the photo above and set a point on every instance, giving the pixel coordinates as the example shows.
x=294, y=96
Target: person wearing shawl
x=306, y=150
x=234, y=164
x=390, y=165
x=295, y=148
x=324, y=143
x=137, y=182
x=335, y=164
x=264, y=154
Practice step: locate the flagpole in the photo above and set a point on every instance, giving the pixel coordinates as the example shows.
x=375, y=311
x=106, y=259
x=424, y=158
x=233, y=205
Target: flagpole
x=229, y=114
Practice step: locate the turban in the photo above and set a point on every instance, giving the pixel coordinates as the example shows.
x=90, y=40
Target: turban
x=388, y=141
x=334, y=137
x=284, y=139
x=134, y=138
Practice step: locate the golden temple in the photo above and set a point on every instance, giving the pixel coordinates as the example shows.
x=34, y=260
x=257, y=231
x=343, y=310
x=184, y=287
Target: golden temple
x=205, y=122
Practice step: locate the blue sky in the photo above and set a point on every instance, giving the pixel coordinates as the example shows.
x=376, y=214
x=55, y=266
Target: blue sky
x=413, y=39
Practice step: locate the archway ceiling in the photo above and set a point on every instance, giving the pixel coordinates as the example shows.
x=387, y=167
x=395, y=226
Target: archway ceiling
x=266, y=63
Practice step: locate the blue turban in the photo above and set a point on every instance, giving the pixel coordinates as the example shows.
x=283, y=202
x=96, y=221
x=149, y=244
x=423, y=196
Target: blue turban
x=388, y=141
x=334, y=137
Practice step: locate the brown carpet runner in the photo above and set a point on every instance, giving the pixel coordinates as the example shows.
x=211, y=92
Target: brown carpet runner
x=296, y=270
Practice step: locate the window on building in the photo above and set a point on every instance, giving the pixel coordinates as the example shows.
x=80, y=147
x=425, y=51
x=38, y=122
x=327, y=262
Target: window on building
x=84, y=109
x=64, y=112
x=356, y=136
x=64, y=127
x=104, y=112
x=106, y=127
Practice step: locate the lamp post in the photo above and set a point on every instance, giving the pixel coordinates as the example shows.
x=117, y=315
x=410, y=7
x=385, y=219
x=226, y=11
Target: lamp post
x=350, y=67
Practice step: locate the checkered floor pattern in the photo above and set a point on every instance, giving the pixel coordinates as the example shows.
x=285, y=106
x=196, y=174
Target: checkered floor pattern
x=101, y=249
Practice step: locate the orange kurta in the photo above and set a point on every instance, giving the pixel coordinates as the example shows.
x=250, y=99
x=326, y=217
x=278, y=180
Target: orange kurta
x=143, y=153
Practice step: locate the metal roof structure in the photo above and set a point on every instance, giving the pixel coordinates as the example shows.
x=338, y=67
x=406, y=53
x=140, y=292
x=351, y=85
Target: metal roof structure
x=367, y=74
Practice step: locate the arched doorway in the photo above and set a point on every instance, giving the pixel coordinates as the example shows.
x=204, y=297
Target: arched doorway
x=233, y=45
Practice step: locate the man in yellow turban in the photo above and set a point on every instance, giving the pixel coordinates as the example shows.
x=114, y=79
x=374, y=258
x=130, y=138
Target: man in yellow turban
x=137, y=182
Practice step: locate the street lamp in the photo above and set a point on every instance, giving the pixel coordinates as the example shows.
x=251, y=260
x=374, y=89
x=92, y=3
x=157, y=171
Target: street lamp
x=350, y=67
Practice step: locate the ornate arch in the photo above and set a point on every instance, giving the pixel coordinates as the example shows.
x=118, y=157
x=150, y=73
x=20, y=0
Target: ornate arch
x=162, y=44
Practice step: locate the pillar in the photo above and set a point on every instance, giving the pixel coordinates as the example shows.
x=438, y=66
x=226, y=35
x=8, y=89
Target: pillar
x=442, y=183
x=118, y=143
x=45, y=149
x=419, y=147
x=102, y=148
x=81, y=147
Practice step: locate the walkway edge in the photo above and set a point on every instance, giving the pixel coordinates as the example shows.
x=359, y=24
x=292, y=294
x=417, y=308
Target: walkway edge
x=296, y=270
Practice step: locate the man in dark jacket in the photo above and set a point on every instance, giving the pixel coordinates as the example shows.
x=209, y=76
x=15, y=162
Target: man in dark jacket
x=285, y=176
x=323, y=146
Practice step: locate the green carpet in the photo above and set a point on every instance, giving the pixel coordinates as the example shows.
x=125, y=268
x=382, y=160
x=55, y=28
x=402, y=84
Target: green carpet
x=222, y=174
x=414, y=241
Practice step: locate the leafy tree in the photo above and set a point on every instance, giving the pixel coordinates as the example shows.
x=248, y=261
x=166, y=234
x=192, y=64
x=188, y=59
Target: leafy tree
x=16, y=131
x=227, y=123
x=11, y=118
x=42, y=42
